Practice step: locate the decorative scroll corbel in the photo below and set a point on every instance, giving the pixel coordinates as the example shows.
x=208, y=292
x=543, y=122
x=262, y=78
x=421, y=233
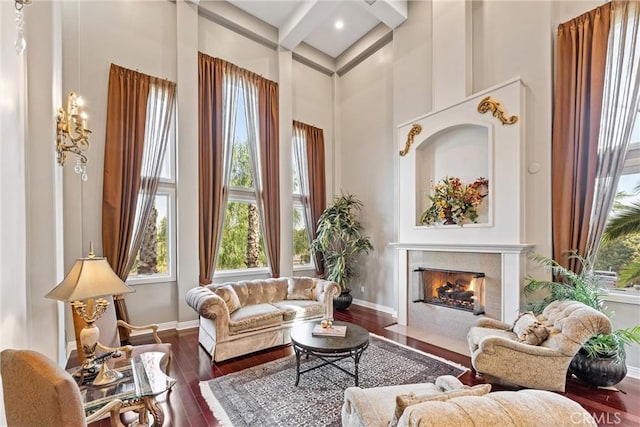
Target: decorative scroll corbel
x=415, y=129
x=490, y=104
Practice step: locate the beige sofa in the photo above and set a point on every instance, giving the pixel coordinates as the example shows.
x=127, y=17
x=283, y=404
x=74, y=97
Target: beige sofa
x=535, y=352
x=243, y=317
x=449, y=403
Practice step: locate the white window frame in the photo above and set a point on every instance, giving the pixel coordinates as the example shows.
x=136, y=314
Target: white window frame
x=166, y=185
x=241, y=195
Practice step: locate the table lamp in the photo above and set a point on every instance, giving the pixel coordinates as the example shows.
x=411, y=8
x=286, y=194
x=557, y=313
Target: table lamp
x=89, y=279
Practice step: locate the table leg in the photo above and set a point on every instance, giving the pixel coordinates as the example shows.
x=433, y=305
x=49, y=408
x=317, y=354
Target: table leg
x=154, y=407
x=298, y=354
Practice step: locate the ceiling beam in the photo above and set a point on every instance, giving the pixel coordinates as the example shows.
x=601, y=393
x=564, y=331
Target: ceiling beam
x=303, y=21
x=391, y=12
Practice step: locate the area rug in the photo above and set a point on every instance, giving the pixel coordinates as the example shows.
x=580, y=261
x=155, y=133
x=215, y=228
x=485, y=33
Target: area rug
x=265, y=395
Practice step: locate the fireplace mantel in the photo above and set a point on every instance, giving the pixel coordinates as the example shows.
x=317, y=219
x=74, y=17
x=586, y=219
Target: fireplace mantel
x=479, y=248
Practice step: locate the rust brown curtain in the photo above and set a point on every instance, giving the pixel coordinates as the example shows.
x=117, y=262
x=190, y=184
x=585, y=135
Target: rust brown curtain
x=124, y=145
x=210, y=161
x=268, y=115
x=581, y=57
x=317, y=187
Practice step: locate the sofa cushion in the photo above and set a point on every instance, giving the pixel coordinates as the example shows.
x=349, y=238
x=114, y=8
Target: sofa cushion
x=477, y=334
x=403, y=401
x=228, y=294
x=256, y=316
x=300, y=309
x=301, y=288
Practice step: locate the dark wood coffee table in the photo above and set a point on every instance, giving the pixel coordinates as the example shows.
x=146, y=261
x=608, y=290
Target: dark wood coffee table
x=329, y=349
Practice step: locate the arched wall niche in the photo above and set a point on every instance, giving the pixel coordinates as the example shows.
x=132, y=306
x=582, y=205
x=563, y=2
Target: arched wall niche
x=462, y=150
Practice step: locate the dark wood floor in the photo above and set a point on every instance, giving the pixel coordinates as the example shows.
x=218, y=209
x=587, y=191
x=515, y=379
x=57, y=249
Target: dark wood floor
x=184, y=406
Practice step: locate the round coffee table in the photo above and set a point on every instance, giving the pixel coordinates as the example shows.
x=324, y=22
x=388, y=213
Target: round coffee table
x=329, y=349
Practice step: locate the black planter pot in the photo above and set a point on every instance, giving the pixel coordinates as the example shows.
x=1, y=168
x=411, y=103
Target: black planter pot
x=601, y=372
x=343, y=301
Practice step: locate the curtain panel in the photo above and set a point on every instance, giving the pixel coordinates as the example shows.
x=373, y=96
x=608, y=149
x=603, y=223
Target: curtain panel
x=133, y=122
x=581, y=57
x=211, y=149
x=315, y=196
x=620, y=106
x=268, y=113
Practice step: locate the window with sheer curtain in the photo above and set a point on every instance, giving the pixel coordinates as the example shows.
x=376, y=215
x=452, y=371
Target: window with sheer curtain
x=155, y=259
x=617, y=187
x=301, y=219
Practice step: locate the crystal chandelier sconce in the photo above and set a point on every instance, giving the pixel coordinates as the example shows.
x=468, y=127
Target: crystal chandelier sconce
x=72, y=134
x=20, y=42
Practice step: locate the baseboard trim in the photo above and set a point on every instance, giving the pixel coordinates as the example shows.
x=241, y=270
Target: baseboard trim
x=375, y=306
x=633, y=372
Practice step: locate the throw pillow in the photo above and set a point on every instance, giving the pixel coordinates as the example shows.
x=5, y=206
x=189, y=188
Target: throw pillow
x=300, y=288
x=523, y=321
x=403, y=401
x=535, y=334
x=230, y=297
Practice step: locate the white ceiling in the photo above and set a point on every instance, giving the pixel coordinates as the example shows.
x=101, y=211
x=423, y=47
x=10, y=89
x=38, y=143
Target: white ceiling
x=313, y=21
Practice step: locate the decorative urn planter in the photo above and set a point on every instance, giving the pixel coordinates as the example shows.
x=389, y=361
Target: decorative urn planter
x=343, y=301
x=600, y=372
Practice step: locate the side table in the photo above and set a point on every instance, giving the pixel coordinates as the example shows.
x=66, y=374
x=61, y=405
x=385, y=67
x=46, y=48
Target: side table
x=142, y=382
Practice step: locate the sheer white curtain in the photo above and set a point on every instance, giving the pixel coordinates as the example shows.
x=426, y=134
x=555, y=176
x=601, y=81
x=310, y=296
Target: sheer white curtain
x=619, y=107
x=250, y=93
x=232, y=83
x=300, y=155
x=158, y=122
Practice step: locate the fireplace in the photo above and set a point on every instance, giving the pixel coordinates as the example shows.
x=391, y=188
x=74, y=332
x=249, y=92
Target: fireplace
x=461, y=290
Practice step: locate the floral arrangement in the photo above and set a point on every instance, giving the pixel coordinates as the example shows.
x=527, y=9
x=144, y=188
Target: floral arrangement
x=454, y=202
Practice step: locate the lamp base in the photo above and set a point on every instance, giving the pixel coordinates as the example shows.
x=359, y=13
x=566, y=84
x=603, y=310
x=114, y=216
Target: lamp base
x=107, y=376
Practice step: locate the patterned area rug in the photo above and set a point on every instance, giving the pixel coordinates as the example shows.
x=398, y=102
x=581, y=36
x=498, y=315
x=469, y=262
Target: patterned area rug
x=265, y=395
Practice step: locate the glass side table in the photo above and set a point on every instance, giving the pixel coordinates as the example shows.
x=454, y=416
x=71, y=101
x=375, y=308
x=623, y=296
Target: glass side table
x=142, y=382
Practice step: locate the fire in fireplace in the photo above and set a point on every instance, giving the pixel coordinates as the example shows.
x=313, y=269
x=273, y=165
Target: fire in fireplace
x=462, y=290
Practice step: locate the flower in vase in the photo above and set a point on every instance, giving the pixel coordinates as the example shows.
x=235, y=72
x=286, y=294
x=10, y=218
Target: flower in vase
x=453, y=202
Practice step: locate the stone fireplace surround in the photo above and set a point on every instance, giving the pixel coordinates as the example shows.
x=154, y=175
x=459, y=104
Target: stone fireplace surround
x=503, y=266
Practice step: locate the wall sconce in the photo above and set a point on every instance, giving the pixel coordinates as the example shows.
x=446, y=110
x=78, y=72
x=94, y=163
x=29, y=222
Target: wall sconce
x=72, y=134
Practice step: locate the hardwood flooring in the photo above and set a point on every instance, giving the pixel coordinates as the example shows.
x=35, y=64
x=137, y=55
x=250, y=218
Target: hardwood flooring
x=185, y=407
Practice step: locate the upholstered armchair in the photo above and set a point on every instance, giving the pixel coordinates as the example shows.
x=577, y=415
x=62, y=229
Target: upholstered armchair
x=535, y=352
x=37, y=392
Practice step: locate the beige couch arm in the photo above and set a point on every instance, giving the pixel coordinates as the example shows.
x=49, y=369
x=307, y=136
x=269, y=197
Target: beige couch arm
x=210, y=306
x=487, y=322
x=325, y=291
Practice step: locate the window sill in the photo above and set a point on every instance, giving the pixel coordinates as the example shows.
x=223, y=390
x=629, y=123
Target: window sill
x=254, y=273
x=151, y=280
x=622, y=295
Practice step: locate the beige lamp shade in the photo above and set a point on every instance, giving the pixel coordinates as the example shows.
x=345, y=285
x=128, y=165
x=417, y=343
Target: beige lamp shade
x=89, y=278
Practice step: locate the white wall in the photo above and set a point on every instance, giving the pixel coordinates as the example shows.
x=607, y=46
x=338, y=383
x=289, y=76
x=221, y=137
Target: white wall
x=136, y=35
x=365, y=159
x=313, y=104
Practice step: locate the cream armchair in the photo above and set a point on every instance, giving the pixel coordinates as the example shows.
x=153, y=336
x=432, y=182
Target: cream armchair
x=37, y=392
x=497, y=350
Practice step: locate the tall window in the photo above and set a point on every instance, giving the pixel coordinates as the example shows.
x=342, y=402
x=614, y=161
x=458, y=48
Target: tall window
x=301, y=243
x=155, y=260
x=616, y=255
x=242, y=245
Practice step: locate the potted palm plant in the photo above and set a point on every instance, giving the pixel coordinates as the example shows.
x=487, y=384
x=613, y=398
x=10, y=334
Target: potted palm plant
x=601, y=360
x=340, y=239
